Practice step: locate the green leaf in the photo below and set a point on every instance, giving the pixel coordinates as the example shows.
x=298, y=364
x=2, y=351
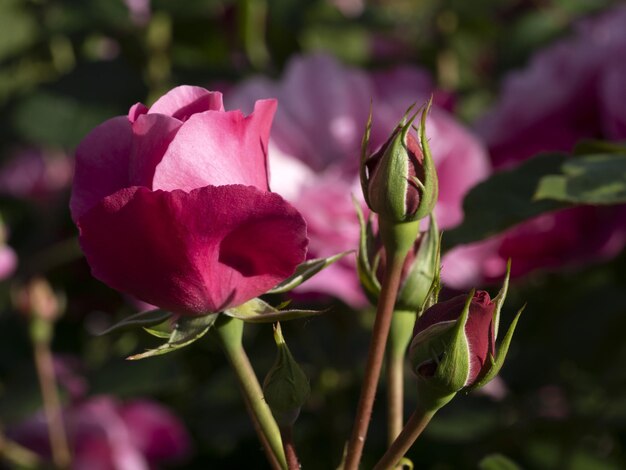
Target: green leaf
x=148, y=318
x=186, y=331
x=258, y=311
x=497, y=462
x=588, y=179
x=592, y=147
x=504, y=200
x=305, y=271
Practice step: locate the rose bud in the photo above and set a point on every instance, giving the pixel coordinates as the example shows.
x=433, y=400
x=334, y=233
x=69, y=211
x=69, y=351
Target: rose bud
x=286, y=387
x=453, y=346
x=420, y=269
x=399, y=181
x=173, y=205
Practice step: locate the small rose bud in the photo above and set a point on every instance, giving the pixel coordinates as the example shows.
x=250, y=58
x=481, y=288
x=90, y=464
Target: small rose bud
x=454, y=344
x=286, y=388
x=399, y=181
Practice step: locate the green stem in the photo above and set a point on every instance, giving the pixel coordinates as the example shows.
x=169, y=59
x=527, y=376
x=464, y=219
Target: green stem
x=230, y=332
x=399, y=337
x=414, y=427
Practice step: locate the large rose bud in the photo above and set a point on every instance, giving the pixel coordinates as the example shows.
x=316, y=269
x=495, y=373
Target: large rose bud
x=173, y=205
x=454, y=344
x=399, y=181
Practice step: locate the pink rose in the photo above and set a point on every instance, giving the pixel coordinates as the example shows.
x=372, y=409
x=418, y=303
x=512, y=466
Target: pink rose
x=8, y=258
x=315, y=148
x=107, y=435
x=173, y=205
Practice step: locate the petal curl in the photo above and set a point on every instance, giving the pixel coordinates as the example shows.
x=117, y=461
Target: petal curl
x=197, y=252
x=218, y=148
x=102, y=160
x=184, y=101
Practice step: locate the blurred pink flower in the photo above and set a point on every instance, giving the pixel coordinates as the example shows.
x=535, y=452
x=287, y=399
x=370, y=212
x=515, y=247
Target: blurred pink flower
x=572, y=90
x=140, y=11
x=8, y=258
x=35, y=174
x=315, y=148
x=108, y=435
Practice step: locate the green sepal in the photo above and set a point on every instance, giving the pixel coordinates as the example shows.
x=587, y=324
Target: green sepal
x=365, y=269
x=186, y=331
x=259, y=311
x=305, y=271
x=145, y=319
x=425, y=268
x=430, y=185
x=162, y=330
x=364, y=156
x=499, y=300
x=496, y=364
x=454, y=368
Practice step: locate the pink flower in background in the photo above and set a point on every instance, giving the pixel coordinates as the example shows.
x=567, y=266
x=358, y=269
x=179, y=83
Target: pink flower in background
x=173, y=205
x=572, y=90
x=315, y=148
x=8, y=258
x=35, y=174
x=107, y=435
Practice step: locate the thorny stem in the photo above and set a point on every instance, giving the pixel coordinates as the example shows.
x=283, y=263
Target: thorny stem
x=290, y=449
x=386, y=301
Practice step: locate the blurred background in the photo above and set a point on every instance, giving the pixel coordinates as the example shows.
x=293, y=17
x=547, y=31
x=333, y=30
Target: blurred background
x=510, y=79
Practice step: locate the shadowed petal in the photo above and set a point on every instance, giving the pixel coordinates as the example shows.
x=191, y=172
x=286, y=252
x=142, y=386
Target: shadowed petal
x=196, y=252
x=101, y=164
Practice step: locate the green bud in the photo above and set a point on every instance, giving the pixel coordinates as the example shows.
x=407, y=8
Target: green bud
x=286, y=387
x=399, y=181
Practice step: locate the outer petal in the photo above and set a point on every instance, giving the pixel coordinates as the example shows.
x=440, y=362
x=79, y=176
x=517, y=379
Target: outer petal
x=102, y=161
x=218, y=148
x=184, y=101
x=195, y=252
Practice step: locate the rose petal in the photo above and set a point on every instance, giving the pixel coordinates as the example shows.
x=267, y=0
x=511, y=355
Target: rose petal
x=184, y=101
x=102, y=160
x=196, y=252
x=152, y=134
x=218, y=148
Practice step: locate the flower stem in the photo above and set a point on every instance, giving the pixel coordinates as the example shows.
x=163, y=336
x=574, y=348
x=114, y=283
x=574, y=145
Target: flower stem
x=41, y=334
x=399, y=337
x=290, y=449
x=230, y=331
x=414, y=427
x=384, y=313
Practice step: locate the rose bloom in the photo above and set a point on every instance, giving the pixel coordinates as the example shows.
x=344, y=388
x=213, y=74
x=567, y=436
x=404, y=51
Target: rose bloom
x=316, y=143
x=572, y=90
x=107, y=435
x=173, y=205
